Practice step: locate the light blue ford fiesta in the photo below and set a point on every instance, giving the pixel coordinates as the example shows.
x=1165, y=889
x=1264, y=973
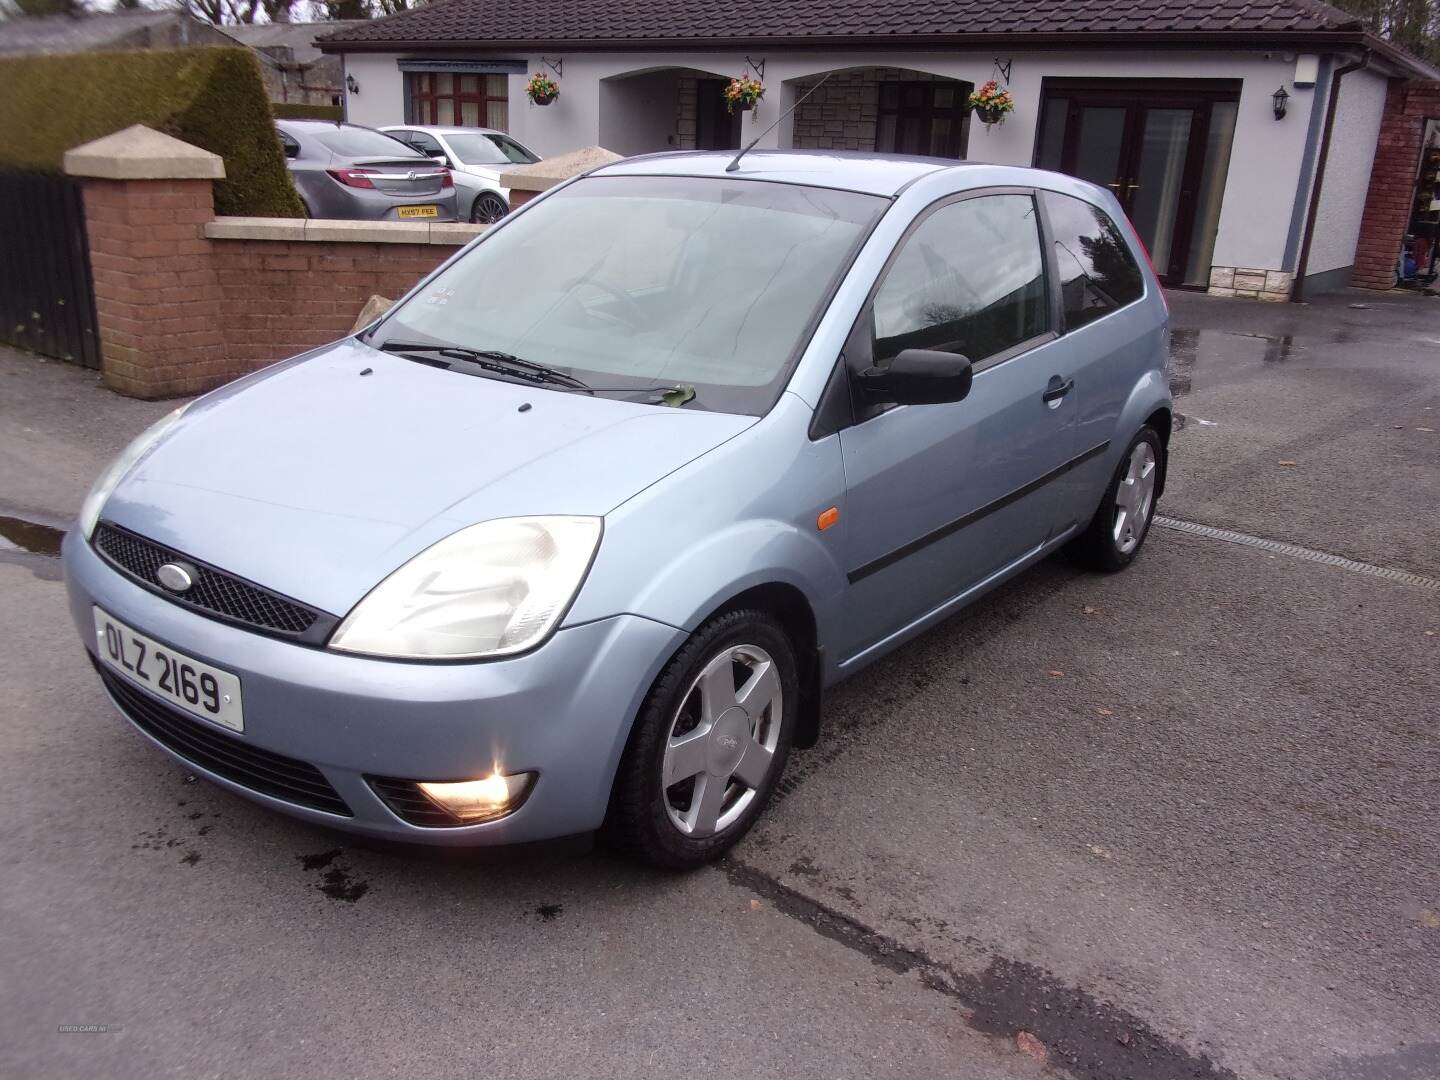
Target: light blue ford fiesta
x=576, y=537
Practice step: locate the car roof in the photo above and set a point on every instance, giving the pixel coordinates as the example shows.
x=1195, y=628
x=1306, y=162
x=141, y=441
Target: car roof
x=439, y=129
x=312, y=125
x=873, y=174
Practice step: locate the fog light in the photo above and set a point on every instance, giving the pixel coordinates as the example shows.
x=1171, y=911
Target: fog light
x=472, y=801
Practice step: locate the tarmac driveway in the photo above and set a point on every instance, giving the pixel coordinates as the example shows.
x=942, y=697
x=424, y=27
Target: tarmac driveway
x=1179, y=822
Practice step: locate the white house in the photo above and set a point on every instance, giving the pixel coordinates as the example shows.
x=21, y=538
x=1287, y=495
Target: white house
x=1171, y=103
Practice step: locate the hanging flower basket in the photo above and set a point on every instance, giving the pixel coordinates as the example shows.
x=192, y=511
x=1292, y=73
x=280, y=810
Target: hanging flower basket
x=541, y=89
x=992, y=104
x=743, y=94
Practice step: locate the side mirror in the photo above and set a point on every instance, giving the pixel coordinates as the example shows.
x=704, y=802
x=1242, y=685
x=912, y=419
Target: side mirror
x=441, y=159
x=918, y=377
x=292, y=150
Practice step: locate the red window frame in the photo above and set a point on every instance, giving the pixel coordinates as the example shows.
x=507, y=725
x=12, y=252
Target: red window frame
x=426, y=95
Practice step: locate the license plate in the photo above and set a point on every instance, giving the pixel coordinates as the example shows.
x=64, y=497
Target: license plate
x=198, y=688
x=419, y=211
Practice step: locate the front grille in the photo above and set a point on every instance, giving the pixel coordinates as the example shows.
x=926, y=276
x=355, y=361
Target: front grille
x=259, y=770
x=215, y=592
x=410, y=804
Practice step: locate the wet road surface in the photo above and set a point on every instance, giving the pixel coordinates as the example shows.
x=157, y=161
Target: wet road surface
x=1179, y=822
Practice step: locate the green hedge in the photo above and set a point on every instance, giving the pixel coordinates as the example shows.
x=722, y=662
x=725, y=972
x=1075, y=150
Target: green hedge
x=293, y=110
x=210, y=97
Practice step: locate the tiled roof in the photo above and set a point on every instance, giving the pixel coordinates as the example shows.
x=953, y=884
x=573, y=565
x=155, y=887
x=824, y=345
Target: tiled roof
x=577, y=22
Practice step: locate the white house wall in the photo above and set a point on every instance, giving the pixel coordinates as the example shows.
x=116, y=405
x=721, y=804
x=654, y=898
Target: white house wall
x=381, y=99
x=636, y=114
x=1260, y=190
x=1347, y=175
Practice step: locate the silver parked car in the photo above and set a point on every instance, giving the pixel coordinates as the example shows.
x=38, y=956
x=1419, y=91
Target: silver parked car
x=578, y=534
x=353, y=172
x=477, y=157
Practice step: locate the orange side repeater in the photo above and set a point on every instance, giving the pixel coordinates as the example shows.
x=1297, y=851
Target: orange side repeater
x=827, y=518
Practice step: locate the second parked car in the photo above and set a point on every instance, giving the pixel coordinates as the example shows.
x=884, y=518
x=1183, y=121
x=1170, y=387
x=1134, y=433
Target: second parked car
x=354, y=172
x=477, y=156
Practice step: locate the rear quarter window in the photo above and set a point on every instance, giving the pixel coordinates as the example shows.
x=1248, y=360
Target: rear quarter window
x=1096, y=271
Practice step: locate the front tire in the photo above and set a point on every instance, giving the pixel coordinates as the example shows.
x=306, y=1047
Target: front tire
x=1118, y=529
x=709, y=744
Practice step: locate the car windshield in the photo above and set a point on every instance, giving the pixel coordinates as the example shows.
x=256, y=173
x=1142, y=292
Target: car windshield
x=476, y=148
x=360, y=142
x=641, y=281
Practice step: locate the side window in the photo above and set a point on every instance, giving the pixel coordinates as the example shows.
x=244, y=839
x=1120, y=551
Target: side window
x=513, y=150
x=969, y=280
x=427, y=144
x=1097, y=272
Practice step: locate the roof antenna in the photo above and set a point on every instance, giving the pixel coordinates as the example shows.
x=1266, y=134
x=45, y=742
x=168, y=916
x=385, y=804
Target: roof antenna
x=735, y=164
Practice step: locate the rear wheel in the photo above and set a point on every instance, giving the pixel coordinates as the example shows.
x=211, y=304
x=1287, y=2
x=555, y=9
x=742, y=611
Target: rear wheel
x=1119, y=528
x=488, y=209
x=709, y=744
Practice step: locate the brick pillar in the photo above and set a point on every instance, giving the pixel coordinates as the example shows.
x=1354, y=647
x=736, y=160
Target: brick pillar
x=1392, y=182
x=157, y=296
x=687, y=112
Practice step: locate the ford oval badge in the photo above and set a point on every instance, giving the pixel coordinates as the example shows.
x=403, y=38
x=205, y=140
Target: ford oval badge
x=177, y=577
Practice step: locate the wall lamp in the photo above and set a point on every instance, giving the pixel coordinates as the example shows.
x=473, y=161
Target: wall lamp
x=1279, y=98
x=354, y=87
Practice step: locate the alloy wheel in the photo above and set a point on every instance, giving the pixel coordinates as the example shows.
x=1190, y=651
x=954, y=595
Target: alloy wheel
x=1134, y=498
x=721, y=743
x=489, y=208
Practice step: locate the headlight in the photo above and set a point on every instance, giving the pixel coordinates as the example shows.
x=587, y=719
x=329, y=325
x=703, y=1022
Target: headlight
x=490, y=590
x=111, y=477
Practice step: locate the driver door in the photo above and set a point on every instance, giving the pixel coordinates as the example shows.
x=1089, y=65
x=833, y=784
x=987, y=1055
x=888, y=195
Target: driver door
x=942, y=497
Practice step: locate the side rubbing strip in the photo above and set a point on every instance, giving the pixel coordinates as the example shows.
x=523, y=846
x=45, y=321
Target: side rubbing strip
x=892, y=557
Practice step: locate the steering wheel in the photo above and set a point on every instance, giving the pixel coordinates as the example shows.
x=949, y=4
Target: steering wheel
x=634, y=317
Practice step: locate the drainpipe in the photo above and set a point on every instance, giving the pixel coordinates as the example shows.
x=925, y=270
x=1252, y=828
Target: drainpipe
x=1297, y=290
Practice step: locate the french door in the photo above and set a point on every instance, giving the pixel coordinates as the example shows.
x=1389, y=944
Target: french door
x=1163, y=148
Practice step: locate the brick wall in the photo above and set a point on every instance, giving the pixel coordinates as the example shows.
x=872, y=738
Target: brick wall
x=157, y=296
x=282, y=297
x=1392, y=182
x=186, y=301
x=841, y=114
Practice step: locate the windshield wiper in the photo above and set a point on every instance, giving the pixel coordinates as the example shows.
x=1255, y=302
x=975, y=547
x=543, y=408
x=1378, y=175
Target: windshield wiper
x=501, y=363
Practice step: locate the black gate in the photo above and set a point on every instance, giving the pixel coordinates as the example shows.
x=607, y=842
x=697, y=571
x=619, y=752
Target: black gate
x=47, y=296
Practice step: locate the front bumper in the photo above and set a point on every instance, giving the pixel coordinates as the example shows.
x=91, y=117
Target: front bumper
x=563, y=711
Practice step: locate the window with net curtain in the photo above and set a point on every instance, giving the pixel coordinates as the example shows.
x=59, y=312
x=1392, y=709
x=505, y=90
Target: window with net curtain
x=452, y=99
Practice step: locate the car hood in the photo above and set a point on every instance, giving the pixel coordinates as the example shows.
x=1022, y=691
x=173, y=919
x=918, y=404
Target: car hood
x=318, y=477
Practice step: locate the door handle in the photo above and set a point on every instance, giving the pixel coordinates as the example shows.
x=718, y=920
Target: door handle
x=1057, y=389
